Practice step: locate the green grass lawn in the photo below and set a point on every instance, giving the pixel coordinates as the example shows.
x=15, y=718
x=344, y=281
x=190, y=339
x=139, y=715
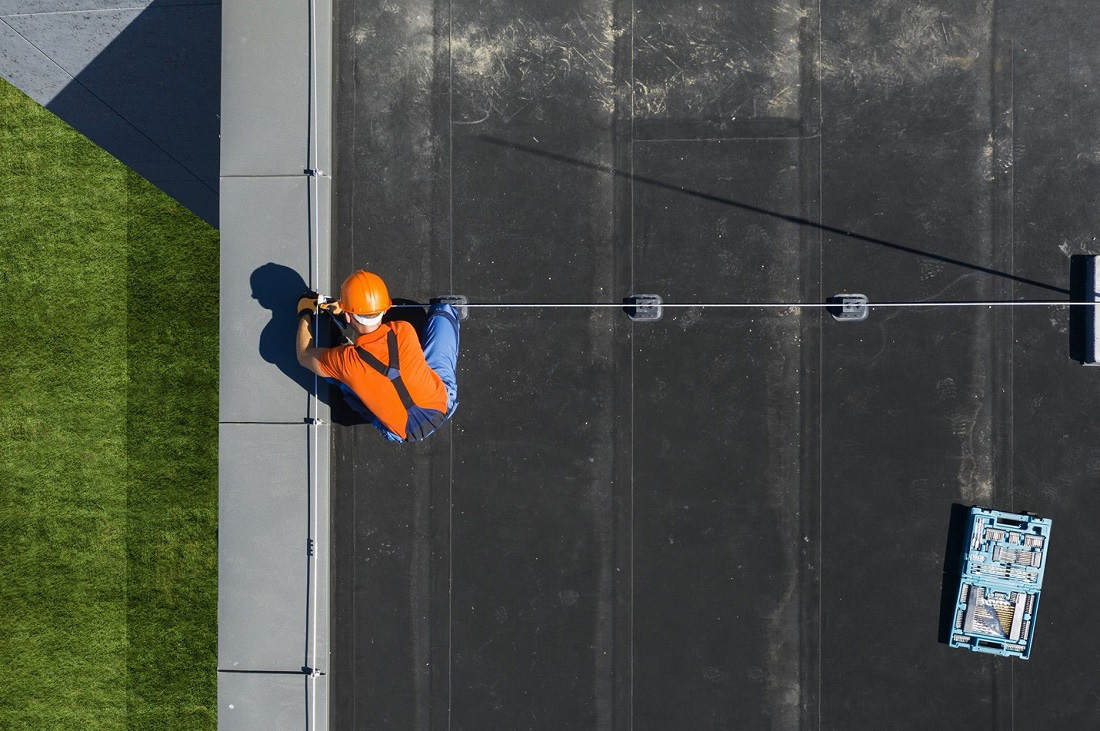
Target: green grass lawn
x=108, y=439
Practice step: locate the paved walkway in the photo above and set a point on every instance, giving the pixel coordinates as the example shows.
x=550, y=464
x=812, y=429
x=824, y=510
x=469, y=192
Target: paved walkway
x=140, y=78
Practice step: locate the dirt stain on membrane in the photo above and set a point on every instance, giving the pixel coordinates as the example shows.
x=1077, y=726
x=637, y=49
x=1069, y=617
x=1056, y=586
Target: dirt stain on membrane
x=914, y=43
x=504, y=70
x=716, y=60
x=722, y=61
x=784, y=631
x=975, y=459
x=397, y=72
x=363, y=33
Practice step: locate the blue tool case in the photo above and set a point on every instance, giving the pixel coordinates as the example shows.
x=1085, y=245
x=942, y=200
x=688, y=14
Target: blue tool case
x=1002, y=574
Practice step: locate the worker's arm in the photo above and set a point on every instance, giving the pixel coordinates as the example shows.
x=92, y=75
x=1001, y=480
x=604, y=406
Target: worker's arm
x=308, y=356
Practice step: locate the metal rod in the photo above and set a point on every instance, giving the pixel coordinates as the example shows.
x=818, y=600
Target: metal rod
x=774, y=305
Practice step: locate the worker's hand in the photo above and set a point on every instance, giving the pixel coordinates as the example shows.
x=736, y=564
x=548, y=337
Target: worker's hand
x=333, y=307
x=307, y=304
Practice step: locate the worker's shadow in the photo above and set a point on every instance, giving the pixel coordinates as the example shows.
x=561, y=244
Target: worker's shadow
x=276, y=288
x=410, y=311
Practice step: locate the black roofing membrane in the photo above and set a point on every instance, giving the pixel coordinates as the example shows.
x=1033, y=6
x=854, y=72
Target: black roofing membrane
x=728, y=518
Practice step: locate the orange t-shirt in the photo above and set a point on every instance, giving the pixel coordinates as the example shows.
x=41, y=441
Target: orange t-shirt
x=375, y=390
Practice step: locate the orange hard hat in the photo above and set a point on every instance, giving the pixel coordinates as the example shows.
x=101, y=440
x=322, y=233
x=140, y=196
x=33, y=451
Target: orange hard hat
x=364, y=293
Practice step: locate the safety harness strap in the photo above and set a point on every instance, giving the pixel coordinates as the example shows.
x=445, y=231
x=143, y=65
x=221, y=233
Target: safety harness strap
x=391, y=371
x=421, y=422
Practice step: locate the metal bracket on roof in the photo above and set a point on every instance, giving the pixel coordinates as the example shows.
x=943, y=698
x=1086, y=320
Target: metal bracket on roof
x=315, y=421
x=458, y=301
x=314, y=173
x=643, y=307
x=848, y=307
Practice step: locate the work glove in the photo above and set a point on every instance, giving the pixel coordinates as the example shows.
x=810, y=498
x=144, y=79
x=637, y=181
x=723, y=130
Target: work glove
x=307, y=303
x=333, y=307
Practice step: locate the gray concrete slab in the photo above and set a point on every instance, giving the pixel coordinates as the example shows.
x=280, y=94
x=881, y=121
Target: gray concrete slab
x=251, y=701
x=324, y=85
x=275, y=244
x=263, y=566
x=27, y=68
x=16, y=7
x=92, y=33
x=321, y=214
x=266, y=88
x=265, y=264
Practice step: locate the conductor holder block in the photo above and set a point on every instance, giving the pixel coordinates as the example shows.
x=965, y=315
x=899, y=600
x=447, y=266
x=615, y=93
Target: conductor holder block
x=848, y=307
x=458, y=301
x=643, y=307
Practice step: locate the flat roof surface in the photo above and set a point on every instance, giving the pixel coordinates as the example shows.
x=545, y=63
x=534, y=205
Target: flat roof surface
x=730, y=518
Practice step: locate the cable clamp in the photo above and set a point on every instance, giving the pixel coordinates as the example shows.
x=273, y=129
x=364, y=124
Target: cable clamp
x=848, y=307
x=643, y=307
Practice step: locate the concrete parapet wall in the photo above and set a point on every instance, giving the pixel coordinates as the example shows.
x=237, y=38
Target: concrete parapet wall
x=273, y=603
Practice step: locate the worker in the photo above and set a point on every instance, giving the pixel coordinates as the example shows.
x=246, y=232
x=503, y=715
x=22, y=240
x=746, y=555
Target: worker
x=403, y=390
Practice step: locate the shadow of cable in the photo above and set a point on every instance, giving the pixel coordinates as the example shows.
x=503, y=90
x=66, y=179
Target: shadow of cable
x=413, y=312
x=609, y=170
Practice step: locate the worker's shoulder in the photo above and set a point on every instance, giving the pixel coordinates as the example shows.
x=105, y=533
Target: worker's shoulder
x=332, y=360
x=336, y=352
x=402, y=328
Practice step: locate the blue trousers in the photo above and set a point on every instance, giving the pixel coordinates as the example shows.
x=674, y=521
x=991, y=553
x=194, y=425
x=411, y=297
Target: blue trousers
x=440, y=345
x=441, y=348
